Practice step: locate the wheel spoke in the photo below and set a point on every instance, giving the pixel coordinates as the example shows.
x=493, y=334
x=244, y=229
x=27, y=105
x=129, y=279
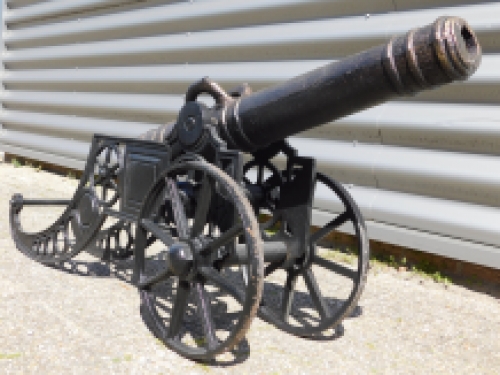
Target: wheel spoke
x=205, y=312
x=260, y=174
x=335, y=223
x=99, y=179
x=164, y=274
x=112, y=184
x=108, y=155
x=150, y=240
x=108, y=177
x=178, y=209
x=179, y=308
x=113, y=187
x=104, y=192
x=271, y=267
x=273, y=181
x=114, y=168
x=244, y=273
x=203, y=205
x=214, y=276
x=157, y=232
x=335, y=267
x=288, y=293
x=223, y=240
x=316, y=296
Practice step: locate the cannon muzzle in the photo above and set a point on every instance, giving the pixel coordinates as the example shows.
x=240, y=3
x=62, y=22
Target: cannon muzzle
x=424, y=58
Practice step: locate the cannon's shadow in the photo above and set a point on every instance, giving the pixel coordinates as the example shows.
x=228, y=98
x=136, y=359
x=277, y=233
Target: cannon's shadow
x=223, y=315
x=123, y=270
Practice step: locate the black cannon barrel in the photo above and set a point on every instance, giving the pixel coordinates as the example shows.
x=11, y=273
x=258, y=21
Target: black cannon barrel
x=427, y=57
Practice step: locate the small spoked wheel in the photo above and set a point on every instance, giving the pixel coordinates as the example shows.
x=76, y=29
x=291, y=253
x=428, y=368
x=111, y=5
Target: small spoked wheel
x=268, y=179
x=107, y=165
x=323, y=287
x=267, y=176
x=195, y=230
x=116, y=242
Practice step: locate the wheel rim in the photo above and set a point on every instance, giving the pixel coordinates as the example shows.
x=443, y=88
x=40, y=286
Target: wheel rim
x=192, y=302
x=318, y=293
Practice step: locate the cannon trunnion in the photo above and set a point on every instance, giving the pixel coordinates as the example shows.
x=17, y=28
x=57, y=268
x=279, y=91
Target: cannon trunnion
x=216, y=240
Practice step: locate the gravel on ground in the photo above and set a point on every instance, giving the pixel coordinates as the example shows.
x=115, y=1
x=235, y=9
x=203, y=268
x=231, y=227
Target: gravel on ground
x=84, y=318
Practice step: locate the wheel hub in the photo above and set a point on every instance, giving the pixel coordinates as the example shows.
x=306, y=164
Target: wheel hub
x=180, y=259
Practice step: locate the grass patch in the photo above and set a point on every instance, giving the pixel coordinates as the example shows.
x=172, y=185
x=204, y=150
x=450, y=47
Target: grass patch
x=19, y=163
x=200, y=341
x=9, y=355
x=125, y=358
x=347, y=257
x=204, y=367
x=16, y=163
x=423, y=269
x=263, y=218
x=426, y=269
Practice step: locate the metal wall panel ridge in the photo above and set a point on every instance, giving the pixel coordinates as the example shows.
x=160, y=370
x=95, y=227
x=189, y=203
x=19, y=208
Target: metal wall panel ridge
x=424, y=170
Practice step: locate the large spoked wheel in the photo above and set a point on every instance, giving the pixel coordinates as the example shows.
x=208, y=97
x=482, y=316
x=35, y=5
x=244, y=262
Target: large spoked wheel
x=323, y=286
x=196, y=229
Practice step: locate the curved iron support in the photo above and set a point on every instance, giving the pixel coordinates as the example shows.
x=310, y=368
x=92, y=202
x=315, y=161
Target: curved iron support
x=80, y=221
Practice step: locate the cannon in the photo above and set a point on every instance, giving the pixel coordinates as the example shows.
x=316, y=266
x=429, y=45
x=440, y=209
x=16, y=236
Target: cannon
x=214, y=210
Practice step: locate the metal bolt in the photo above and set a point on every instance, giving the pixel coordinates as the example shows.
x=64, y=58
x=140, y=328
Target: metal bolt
x=190, y=123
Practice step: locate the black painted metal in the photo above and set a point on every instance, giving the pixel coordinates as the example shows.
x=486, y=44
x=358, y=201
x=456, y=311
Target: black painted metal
x=182, y=273
x=71, y=232
x=187, y=210
x=274, y=252
x=42, y=202
x=114, y=243
x=284, y=209
x=427, y=57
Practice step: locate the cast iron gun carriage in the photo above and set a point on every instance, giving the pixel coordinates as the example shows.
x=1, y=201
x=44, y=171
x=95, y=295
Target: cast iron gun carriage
x=208, y=232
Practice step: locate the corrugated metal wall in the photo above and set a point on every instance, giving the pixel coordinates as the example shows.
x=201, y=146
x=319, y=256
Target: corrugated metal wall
x=425, y=171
